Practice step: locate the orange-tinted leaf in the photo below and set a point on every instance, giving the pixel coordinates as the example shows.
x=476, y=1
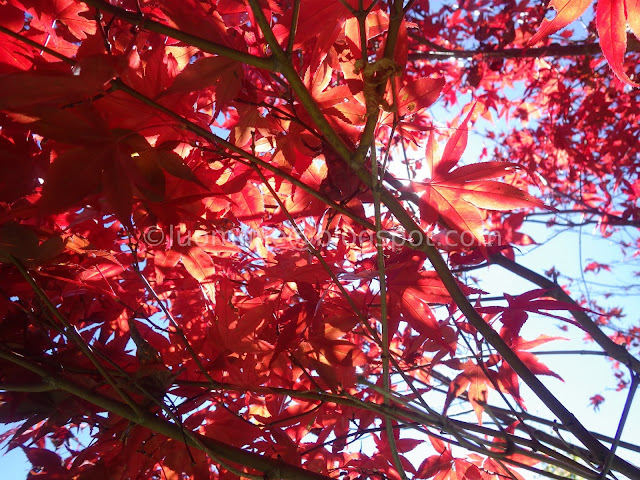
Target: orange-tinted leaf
x=201, y=267
x=457, y=213
x=535, y=365
x=632, y=8
x=198, y=263
x=541, y=340
x=401, y=52
x=566, y=12
x=418, y=94
x=473, y=379
x=248, y=206
x=480, y=171
x=425, y=285
x=491, y=195
x=455, y=197
x=431, y=154
x=419, y=309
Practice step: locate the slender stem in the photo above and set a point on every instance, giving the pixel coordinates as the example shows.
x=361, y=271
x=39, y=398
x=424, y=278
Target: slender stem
x=71, y=332
x=29, y=388
x=177, y=329
x=551, y=50
x=272, y=468
x=294, y=27
x=382, y=279
x=298, y=87
x=635, y=380
x=347, y=6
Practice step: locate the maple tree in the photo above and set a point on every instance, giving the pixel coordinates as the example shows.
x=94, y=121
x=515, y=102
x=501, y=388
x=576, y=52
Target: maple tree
x=234, y=237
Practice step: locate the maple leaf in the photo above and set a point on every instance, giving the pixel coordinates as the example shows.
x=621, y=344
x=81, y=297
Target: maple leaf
x=596, y=401
x=566, y=12
x=200, y=266
x=596, y=267
x=474, y=380
x=457, y=196
x=65, y=11
x=47, y=461
x=611, y=22
x=435, y=464
x=506, y=377
x=516, y=313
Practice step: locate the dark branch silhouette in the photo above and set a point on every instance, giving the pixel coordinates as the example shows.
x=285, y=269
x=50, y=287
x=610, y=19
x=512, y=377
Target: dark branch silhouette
x=552, y=50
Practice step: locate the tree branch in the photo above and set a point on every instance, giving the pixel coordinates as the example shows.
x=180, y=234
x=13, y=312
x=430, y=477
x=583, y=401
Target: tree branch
x=271, y=468
x=615, y=351
x=194, y=40
x=599, y=451
x=551, y=50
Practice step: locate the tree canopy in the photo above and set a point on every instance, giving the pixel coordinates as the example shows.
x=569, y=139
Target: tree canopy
x=242, y=238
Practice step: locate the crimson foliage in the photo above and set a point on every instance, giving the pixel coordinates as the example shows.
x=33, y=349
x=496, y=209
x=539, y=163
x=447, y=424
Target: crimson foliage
x=233, y=237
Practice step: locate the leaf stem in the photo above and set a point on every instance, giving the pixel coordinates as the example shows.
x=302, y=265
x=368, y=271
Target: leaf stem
x=294, y=27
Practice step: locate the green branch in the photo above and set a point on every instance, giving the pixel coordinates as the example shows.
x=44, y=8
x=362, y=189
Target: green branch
x=599, y=451
x=194, y=40
x=271, y=468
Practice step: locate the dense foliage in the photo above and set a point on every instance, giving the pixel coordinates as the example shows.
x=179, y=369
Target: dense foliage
x=234, y=235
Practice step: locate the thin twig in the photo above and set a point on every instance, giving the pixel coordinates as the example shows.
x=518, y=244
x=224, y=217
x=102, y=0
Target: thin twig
x=382, y=279
x=294, y=27
x=635, y=380
x=71, y=332
x=552, y=50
